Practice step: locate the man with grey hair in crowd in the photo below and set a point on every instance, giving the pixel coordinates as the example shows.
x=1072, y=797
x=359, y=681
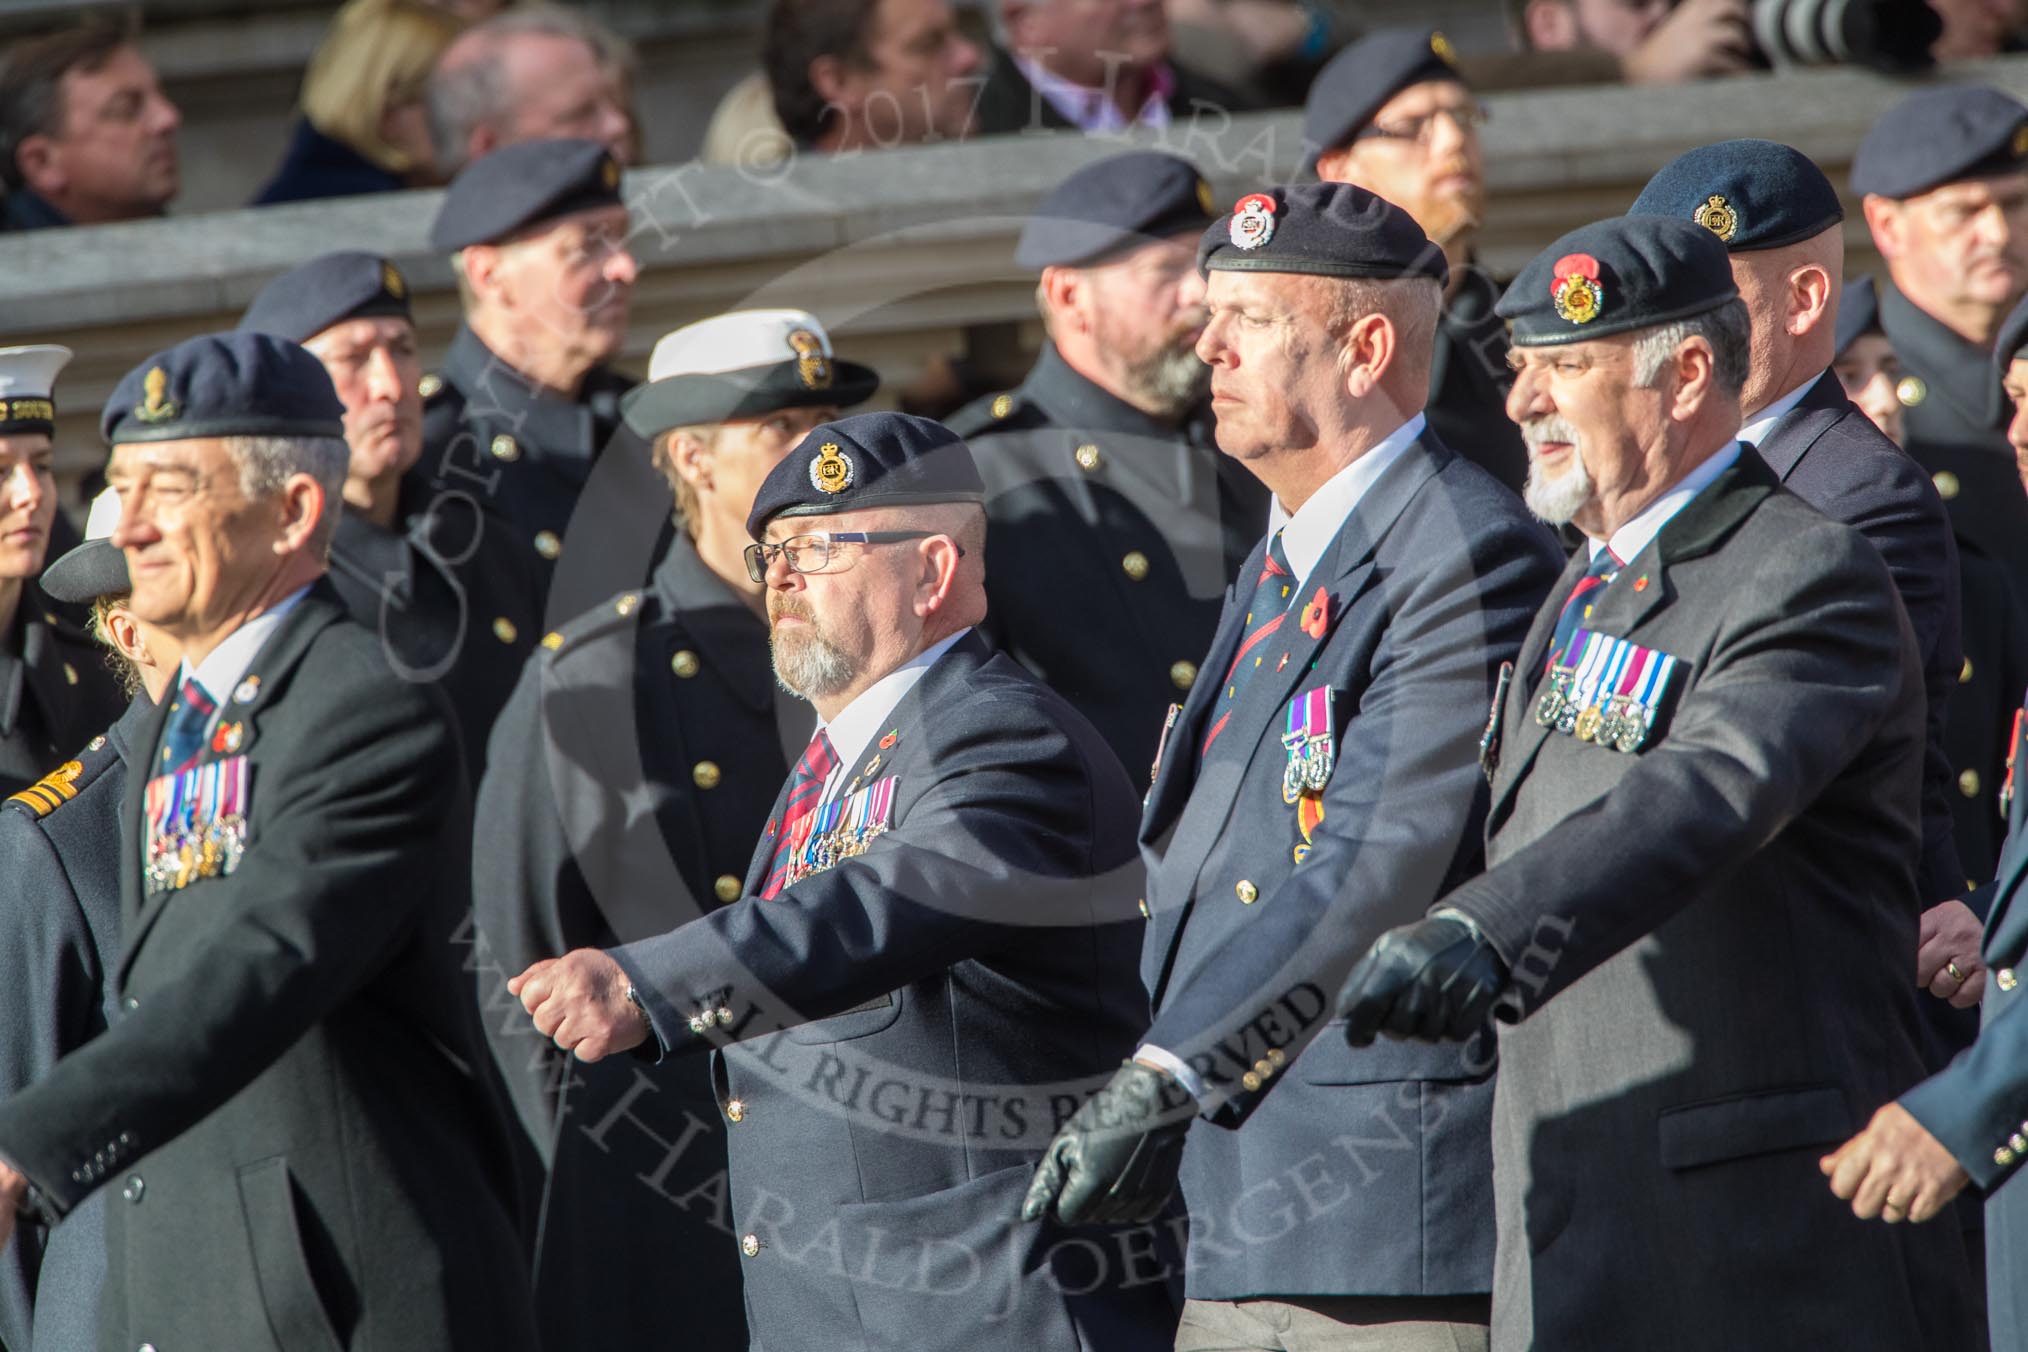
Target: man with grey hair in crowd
x=1702, y=845
x=289, y=1086
x=535, y=72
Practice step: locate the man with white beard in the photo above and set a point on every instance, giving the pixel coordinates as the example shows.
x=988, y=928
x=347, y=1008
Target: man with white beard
x=1705, y=823
x=1113, y=522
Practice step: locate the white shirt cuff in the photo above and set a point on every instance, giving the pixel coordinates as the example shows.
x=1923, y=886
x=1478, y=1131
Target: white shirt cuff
x=1188, y=1078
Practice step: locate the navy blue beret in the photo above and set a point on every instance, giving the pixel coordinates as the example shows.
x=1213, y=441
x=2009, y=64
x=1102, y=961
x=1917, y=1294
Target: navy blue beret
x=1353, y=85
x=310, y=298
x=1323, y=229
x=1616, y=276
x=868, y=460
x=1858, y=313
x=522, y=185
x=224, y=385
x=1941, y=135
x=1114, y=204
x=2012, y=344
x=1751, y=194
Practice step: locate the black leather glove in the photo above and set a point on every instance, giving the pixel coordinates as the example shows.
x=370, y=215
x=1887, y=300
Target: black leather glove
x=1118, y=1156
x=1434, y=981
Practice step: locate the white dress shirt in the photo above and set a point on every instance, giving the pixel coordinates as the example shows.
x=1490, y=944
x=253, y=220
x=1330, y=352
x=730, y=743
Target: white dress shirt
x=1093, y=110
x=859, y=722
x=1631, y=538
x=1755, y=432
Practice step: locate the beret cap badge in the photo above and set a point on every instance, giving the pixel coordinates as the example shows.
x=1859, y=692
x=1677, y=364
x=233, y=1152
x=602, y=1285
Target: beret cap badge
x=390, y=279
x=1575, y=288
x=1205, y=202
x=1717, y=216
x=2021, y=140
x=609, y=172
x=831, y=471
x=1253, y=221
x=1445, y=52
x=155, y=406
x=813, y=368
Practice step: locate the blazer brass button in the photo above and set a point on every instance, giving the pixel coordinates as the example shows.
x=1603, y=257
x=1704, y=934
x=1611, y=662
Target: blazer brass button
x=705, y=774
x=503, y=448
x=685, y=664
x=1248, y=893
x=429, y=385
x=1911, y=391
x=1965, y=671
x=727, y=888
x=1183, y=675
x=504, y=630
x=1088, y=457
x=750, y=1245
x=1143, y=904
x=136, y=1185
x=547, y=545
x=2006, y=978
x=735, y=1110
x=1946, y=484
x=1968, y=783
x=1135, y=565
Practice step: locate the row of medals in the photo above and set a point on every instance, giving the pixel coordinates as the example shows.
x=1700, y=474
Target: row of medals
x=831, y=848
x=1619, y=723
x=207, y=854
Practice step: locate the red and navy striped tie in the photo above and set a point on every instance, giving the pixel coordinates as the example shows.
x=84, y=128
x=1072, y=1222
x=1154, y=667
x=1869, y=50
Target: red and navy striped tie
x=806, y=788
x=1270, y=607
x=183, y=738
x=1577, y=608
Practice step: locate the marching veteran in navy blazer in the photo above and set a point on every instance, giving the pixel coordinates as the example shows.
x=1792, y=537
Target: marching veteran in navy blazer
x=631, y=776
x=60, y=931
x=933, y=960
x=1321, y=786
x=285, y=1110
x=1700, y=906
x=1969, y=1123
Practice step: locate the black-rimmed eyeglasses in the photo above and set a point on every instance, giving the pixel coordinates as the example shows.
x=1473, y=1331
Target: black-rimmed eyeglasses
x=812, y=553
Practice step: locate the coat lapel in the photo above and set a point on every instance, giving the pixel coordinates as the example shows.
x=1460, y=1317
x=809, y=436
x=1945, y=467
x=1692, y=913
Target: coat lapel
x=1177, y=764
x=1642, y=588
x=1817, y=412
x=267, y=676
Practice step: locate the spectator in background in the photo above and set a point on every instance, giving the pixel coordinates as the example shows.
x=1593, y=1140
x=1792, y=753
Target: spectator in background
x=1978, y=28
x=363, y=128
x=1866, y=364
x=850, y=75
x=86, y=133
x=1653, y=41
x=536, y=72
x=1096, y=65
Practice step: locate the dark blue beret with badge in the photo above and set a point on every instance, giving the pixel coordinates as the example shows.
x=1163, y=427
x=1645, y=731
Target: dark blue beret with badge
x=306, y=300
x=1323, y=230
x=224, y=385
x=1942, y=135
x=1616, y=276
x=521, y=185
x=1858, y=313
x=1358, y=80
x=868, y=460
x=1112, y=205
x=2012, y=343
x=1751, y=194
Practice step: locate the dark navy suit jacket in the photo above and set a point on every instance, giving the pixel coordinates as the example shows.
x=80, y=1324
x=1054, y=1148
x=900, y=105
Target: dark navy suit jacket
x=909, y=1028
x=1350, y=1172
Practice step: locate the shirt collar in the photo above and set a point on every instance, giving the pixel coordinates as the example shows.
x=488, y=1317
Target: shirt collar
x=1092, y=110
x=1755, y=432
x=1631, y=538
x=222, y=668
x=859, y=722
x=1309, y=532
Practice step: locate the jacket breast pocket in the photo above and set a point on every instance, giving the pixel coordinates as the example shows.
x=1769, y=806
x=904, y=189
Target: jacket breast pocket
x=874, y=1016
x=1694, y=1134
x=295, y=1308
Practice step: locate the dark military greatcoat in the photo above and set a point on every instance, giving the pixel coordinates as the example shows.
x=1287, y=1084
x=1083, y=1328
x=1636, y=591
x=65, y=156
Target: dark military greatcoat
x=630, y=777
x=1110, y=541
x=56, y=691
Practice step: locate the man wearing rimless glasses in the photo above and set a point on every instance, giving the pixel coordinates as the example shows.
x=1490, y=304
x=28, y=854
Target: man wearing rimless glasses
x=935, y=955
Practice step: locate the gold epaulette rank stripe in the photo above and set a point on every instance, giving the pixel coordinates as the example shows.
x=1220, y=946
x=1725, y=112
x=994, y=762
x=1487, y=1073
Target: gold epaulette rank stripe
x=53, y=790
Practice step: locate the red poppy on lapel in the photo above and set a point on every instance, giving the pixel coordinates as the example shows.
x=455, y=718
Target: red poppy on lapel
x=1317, y=615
